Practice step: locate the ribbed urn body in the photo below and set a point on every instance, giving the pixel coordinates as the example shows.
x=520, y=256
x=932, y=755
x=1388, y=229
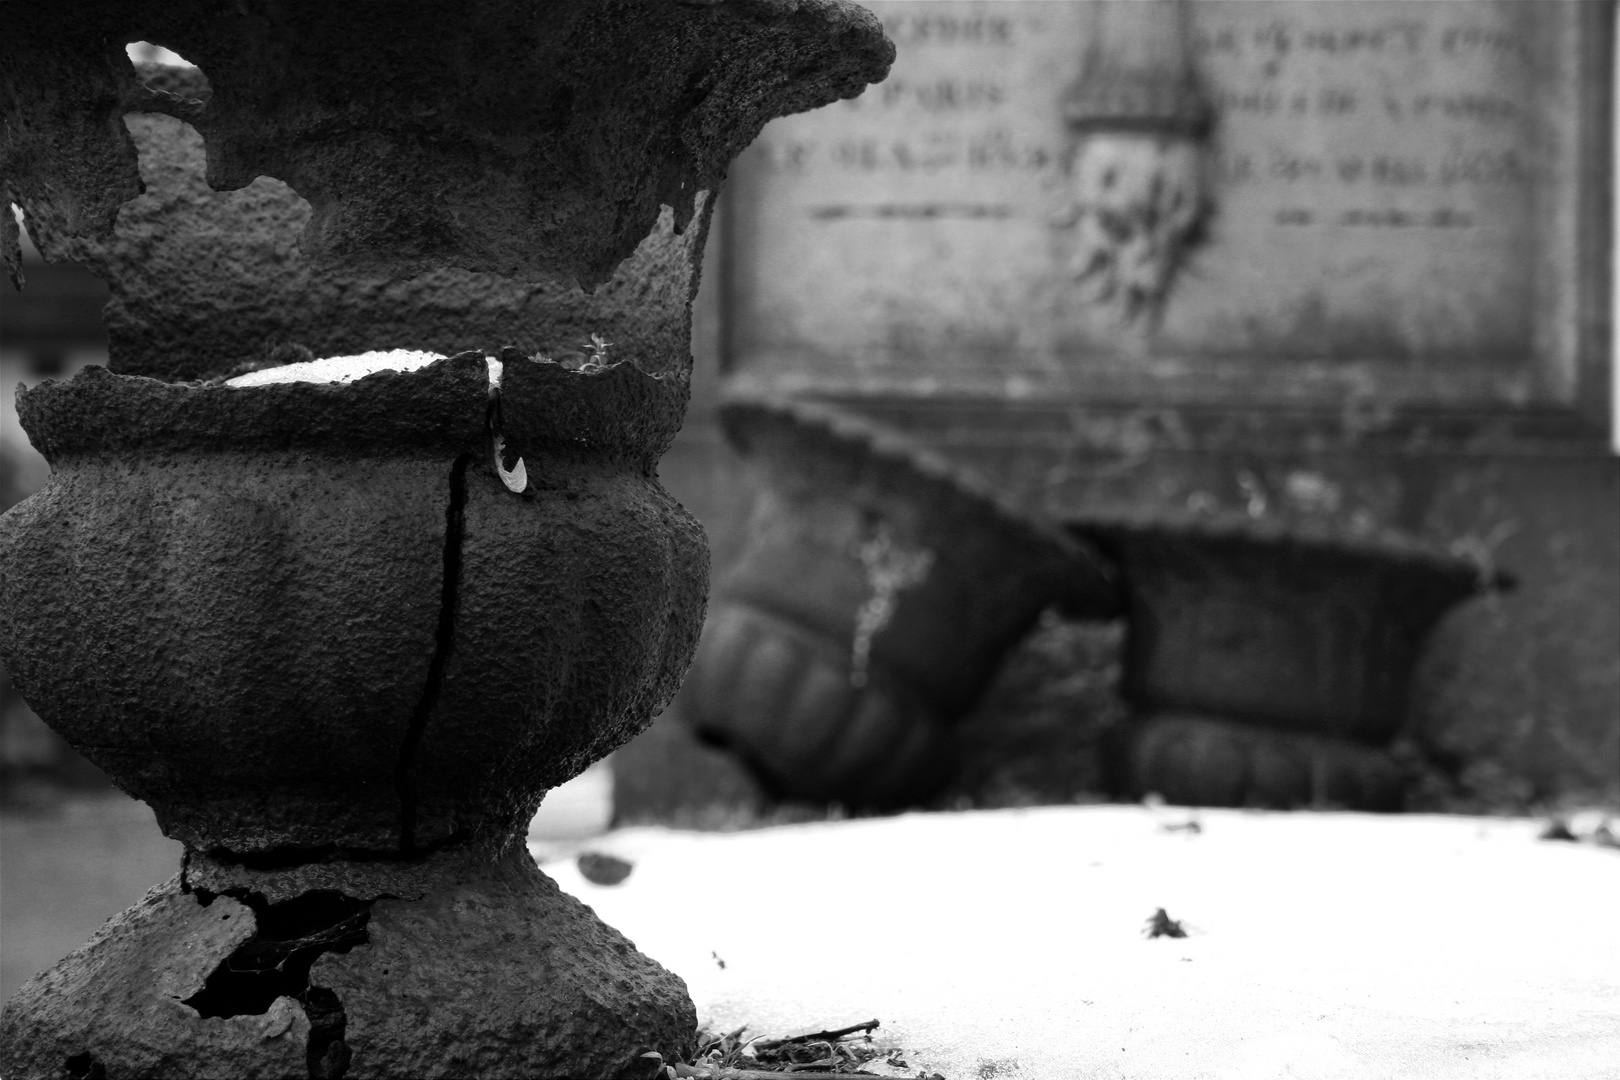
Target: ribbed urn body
x=299, y=616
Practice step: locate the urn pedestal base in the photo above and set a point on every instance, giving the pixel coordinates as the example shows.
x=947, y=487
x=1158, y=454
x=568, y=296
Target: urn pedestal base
x=486, y=969
x=1196, y=760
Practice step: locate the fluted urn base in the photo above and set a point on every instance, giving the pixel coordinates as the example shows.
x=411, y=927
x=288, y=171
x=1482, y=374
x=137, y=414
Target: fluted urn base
x=458, y=966
x=1196, y=759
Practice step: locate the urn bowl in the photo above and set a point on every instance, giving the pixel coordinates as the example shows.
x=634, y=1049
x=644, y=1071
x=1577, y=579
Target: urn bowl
x=314, y=616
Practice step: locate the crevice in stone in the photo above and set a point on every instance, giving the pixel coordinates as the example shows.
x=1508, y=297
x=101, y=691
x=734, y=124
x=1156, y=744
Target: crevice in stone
x=291, y=857
x=328, y=1055
x=275, y=962
x=84, y=1067
x=454, y=526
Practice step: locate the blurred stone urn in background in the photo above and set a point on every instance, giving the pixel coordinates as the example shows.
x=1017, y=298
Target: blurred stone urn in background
x=1269, y=662
x=342, y=626
x=878, y=592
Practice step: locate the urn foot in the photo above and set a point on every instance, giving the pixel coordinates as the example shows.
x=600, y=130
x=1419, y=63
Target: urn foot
x=489, y=969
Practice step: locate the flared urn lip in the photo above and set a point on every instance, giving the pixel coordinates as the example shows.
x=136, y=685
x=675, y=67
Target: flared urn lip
x=1454, y=576
x=904, y=467
x=616, y=412
x=534, y=141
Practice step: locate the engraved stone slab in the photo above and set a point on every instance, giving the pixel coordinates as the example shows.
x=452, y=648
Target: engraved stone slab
x=1391, y=199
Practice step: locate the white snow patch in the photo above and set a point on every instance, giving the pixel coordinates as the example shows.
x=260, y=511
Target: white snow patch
x=342, y=369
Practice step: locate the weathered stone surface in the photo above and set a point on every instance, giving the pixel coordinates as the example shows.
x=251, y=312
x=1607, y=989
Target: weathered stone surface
x=487, y=970
x=577, y=614
x=118, y=1002
x=339, y=871
x=537, y=142
x=73, y=109
x=278, y=555
x=230, y=632
x=616, y=415
x=206, y=282
x=501, y=974
x=440, y=409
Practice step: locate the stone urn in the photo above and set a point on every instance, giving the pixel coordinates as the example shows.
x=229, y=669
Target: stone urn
x=879, y=589
x=1269, y=662
x=343, y=623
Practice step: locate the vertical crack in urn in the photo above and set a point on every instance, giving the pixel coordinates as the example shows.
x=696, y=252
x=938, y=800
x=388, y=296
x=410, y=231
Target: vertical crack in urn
x=454, y=525
x=328, y=1055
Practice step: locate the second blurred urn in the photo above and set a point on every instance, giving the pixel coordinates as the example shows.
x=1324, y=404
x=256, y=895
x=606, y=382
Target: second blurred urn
x=878, y=591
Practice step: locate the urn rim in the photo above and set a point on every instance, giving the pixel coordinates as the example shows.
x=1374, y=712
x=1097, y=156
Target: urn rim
x=617, y=412
x=1455, y=574
x=751, y=418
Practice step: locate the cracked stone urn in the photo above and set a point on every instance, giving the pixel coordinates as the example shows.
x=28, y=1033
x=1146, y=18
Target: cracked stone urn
x=343, y=622
x=880, y=588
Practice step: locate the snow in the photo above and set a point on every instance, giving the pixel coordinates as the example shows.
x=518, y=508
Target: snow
x=1010, y=942
x=338, y=369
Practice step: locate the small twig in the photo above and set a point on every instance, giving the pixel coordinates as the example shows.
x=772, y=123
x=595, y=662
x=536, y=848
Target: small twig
x=721, y=1072
x=816, y=1036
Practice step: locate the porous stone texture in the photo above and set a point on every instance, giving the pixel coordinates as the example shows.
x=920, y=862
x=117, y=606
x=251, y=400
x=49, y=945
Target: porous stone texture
x=62, y=90
x=578, y=999
x=412, y=998
x=406, y=652
x=117, y=1003
x=580, y=604
x=533, y=141
x=205, y=283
